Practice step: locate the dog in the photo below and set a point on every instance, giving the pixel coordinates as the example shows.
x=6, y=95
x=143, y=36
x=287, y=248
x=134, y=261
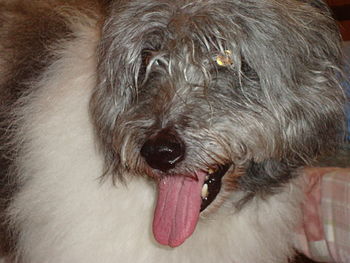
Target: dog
x=162, y=131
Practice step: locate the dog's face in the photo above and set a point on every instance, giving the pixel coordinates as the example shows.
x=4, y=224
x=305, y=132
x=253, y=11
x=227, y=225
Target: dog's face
x=213, y=97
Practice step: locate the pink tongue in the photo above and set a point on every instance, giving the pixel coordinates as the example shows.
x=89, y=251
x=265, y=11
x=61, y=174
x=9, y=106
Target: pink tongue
x=177, y=210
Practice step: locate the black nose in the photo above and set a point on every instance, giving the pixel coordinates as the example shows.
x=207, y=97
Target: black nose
x=164, y=150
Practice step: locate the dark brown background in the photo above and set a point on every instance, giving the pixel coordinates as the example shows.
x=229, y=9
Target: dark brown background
x=341, y=12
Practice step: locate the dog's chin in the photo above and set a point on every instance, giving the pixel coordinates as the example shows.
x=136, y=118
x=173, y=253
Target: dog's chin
x=181, y=199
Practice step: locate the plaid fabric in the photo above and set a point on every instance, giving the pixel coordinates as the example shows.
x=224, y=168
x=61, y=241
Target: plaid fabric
x=325, y=234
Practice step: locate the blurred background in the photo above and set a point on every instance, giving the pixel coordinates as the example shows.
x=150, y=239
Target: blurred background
x=341, y=12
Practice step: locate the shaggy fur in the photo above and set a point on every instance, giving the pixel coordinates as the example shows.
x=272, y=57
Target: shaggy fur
x=85, y=84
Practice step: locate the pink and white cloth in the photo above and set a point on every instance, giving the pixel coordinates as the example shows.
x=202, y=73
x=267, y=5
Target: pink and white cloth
x=325, y=234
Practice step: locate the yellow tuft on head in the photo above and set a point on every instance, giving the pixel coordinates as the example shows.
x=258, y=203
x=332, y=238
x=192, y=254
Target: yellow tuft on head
x=224, y=60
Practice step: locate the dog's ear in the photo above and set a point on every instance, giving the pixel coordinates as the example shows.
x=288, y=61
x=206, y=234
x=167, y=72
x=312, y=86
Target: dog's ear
x=264, y=177
x=296, y=79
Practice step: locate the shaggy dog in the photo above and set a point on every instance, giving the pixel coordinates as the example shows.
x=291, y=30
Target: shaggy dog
x=159, y=130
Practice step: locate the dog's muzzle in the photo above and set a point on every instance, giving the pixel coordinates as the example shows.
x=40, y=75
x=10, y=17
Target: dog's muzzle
x=181, y=197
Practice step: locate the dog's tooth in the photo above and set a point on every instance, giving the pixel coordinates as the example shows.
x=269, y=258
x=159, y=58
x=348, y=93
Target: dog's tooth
x=205, y=191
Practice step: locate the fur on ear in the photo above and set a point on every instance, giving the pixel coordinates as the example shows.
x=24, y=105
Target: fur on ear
x=264, y=178
x=310, y=71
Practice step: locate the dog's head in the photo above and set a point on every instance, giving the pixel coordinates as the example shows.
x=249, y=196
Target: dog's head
x=209, y=97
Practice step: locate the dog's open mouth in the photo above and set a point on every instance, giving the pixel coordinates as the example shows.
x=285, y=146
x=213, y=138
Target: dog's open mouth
x=181, y=198
x=212, y=185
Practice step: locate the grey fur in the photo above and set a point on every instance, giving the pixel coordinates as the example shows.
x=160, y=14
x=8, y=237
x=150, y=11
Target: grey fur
x=279, y=100
x=276, y=108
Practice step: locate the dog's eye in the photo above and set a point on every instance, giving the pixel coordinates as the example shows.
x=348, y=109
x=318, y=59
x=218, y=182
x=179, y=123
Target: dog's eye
x=224, y=60
x=156, y=62
x=146, y=56
x=150, y=57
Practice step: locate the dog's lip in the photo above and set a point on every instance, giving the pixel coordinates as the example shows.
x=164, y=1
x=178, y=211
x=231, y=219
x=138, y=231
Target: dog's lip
x=212, y=184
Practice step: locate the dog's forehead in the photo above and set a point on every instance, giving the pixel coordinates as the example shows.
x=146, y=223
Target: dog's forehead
x=179, y=23
x=193, y=19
